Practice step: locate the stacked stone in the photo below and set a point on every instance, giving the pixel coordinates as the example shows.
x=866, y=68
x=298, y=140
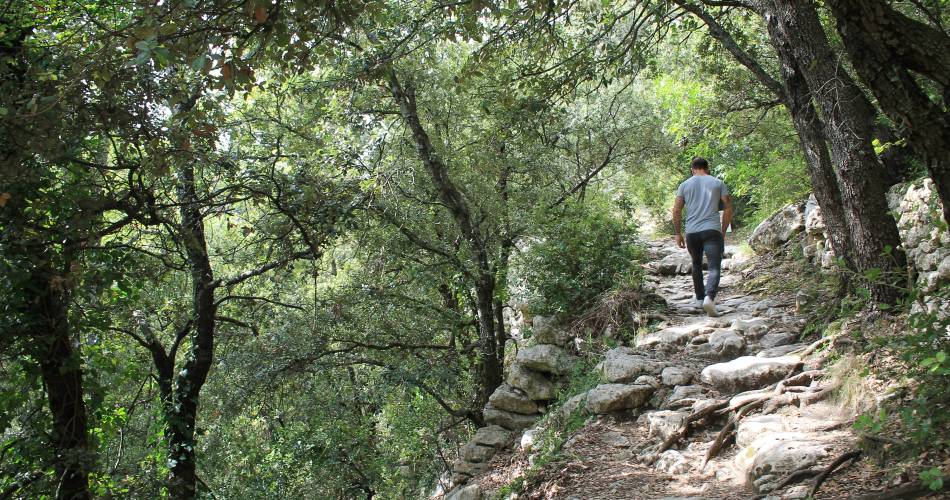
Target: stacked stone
x=918, y=211
x=521, y=400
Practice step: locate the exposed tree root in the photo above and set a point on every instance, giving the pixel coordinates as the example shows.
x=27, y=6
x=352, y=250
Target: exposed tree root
x=917, y=489
x=797, y=477
x=787, y=391
x=852, y=455
x=694, y=420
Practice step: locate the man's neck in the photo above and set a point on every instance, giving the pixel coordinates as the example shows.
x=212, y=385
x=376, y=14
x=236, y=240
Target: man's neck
x=700, y=173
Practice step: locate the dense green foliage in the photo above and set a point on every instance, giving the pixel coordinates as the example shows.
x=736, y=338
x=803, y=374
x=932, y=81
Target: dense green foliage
x=262, y=249
x=579, y=256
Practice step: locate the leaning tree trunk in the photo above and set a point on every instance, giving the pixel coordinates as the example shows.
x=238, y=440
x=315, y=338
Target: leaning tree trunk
x=795, y=95
x=182, y=414
x=885, y=46
x=61, y=370
x=811, y=132
x=849, y=120
x=490, y=365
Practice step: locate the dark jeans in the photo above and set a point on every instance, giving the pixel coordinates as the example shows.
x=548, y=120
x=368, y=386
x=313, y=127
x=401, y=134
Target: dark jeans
x=712, y=243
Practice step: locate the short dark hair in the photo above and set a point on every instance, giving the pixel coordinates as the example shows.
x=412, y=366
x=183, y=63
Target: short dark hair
x=699, y=163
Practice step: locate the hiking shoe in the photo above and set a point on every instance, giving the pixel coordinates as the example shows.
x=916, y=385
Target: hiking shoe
x=709, y=305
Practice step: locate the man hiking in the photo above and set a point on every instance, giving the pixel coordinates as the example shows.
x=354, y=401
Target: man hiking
x=702, y=194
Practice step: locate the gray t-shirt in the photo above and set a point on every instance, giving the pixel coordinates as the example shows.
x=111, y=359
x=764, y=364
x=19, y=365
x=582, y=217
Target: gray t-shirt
x=702, y=194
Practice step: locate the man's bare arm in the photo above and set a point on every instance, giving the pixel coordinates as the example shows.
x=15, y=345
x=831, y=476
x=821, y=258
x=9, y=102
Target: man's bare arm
x=726, y=213
x=678, y=219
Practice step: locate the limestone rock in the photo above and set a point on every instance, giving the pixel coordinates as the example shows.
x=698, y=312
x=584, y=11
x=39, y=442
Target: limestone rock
x=544, y=330
x=467, y=492
x=649, y=380
x=510, y=399
x=676, y=375
x=508, y=420
x=723, y=344
x=546, y=358
x=571, y=405
x=535, y=385
x=774, y=352
x=672, y=462
x=752, y=326
x=778, y=228
x=777, y=455
x=467, y=470
x=775, y=339
x=748, y=372
x=675, y=263
x=622, y=365
x=682, y=392
x=663, y=423
x=492, y=435
x=476, y=453
x=528, y=439
x=675, y=335
x=606, y=398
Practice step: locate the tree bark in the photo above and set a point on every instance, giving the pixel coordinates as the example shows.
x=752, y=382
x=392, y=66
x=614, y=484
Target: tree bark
x=490, y=367
x=181, y=416
x=61, y=369
x=849, y=121
x=794, y=93
x=885, y=46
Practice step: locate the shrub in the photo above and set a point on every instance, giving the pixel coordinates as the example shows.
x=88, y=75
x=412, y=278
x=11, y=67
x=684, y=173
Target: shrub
x=579, y=255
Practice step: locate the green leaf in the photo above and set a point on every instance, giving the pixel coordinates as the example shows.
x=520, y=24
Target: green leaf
x=199, y=63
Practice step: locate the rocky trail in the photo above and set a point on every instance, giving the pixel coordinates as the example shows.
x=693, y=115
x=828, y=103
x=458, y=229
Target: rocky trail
x=734, y=406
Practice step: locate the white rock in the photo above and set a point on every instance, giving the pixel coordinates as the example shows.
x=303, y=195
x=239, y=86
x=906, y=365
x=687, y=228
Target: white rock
x=682, y=392
x=775, y=339
x=649, y=380
x=622, y=365
x=663, y=423
x=535, y=385
x=752, y=326
x=476, y=453
x=723, y=344
x=528, y=439
x=544, y=330
x=677, y=375
x=511, y=399
x=672, y=462
x=507, y=419
x=492, y=435
x=775, y=352
x=778, y=228
x=606, y=398
x=676, y=335
x=748, y=372
x=778, y=454
x=546, y=358
x=468, y=492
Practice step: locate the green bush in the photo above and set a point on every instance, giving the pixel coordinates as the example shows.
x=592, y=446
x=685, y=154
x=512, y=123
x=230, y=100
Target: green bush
x=579, y=255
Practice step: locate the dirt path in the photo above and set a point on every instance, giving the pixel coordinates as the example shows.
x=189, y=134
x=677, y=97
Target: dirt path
x=693, y=362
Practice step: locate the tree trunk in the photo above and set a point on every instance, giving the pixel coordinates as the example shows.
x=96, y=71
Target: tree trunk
x=849, y=121
x=61, y=369
x=885, y=46
x=490, y=368
x=811, y=133
x=182, y=415
x=795, y=95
